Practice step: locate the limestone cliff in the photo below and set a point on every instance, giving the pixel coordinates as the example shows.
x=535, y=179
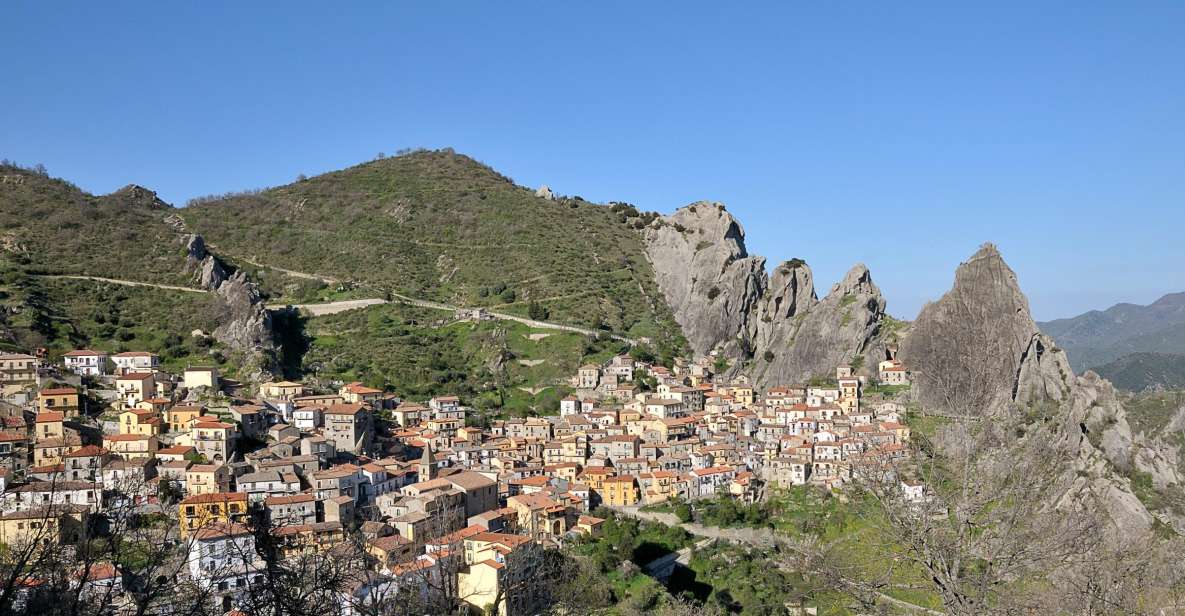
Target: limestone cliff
x=773, y=326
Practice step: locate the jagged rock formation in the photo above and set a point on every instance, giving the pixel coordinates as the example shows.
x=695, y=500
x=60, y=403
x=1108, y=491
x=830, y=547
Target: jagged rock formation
x=978, y=351
x=820, y=335
x=207, y=271
x=724, y=301
x=544, y=192
x=979, y=346
x=246, y=325
x=710, y=282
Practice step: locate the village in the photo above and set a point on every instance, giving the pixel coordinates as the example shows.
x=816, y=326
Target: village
x=416, y=480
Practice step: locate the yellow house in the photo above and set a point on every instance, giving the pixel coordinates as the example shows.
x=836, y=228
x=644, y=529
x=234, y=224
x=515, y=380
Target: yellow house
x=136, y=387
x=204, y=510
x=139, y=421
x=207, y=479
x=177, y=419
x=56, y=525
x=50, y=425
x=619, y=491
x=357, y=393
x=131, y=445
x=60, y=399
x=200, y=377
x=284, y=390
x=487, y=556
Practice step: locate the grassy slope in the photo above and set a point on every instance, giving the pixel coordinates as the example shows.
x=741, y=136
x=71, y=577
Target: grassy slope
x=441, y=226
x=424, y=352
x=50, y=226
x=53, y=227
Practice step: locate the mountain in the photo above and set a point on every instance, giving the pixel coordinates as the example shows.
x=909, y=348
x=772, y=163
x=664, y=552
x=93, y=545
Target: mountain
x=442, y=227
x=61, y=248
x=978, y=350
x=1143, y=371
x=773, y=327
x=1099, y=337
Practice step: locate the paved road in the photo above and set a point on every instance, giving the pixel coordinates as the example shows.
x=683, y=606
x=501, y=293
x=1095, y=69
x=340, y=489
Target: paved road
x=126, y=283
x=331, y=307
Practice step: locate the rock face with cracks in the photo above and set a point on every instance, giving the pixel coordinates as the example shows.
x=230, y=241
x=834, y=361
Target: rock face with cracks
x=977, y=351
x=773, y=326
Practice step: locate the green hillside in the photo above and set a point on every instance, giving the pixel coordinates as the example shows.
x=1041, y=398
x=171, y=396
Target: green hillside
x=50, y=227
x=421, y=353
x=1141, y=371
x=443, y=227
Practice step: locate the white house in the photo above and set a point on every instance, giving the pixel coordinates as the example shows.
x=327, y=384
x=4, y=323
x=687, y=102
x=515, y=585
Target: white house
x=84, y=362
x=135, y=361
x=222, y=558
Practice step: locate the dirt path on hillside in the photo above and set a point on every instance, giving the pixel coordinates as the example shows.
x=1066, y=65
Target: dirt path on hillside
x=125, y=283
x=422, y=303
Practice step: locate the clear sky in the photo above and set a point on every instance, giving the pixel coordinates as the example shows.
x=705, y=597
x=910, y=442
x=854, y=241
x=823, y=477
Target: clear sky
x=898, y=134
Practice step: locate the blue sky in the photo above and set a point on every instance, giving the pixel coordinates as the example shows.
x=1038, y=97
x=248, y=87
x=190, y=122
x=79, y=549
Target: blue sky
x=900, y=136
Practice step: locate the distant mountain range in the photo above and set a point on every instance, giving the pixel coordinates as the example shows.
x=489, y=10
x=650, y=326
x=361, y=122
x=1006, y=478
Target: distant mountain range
x=1135, y=346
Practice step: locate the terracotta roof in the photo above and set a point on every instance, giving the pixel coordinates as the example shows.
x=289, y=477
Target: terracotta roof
x=50, y=416
x=219, y=531
x=82, y=353
x=59, y=391
x=344, y=409
x=86, y=452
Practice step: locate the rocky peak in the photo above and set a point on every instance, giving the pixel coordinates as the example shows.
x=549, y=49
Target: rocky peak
x=138, y=195
x=705, y=273
x=979, y=344
x=977, y=350
x=820, y=335
x=723, y=299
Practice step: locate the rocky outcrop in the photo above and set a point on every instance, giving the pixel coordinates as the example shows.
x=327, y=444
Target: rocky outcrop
x=207, y=271
x=773, y=326
x=977, y=351
x=820, y=336
x=245, y=325
x=977, y=347
x=709, y=281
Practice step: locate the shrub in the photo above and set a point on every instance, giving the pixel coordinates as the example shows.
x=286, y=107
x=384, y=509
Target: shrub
x=713, y=293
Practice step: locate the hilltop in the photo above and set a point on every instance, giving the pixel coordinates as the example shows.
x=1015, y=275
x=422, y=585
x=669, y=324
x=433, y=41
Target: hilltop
x=440, y=226
x=118, y=272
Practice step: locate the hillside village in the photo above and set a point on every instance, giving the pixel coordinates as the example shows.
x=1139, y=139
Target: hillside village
x=423, y=487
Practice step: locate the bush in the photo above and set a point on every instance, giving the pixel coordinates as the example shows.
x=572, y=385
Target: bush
x=713, y=293
x=508, y=296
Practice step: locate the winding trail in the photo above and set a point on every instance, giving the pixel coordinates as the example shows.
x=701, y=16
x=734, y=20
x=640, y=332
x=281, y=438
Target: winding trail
x=125, y=283
x=335, y=307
